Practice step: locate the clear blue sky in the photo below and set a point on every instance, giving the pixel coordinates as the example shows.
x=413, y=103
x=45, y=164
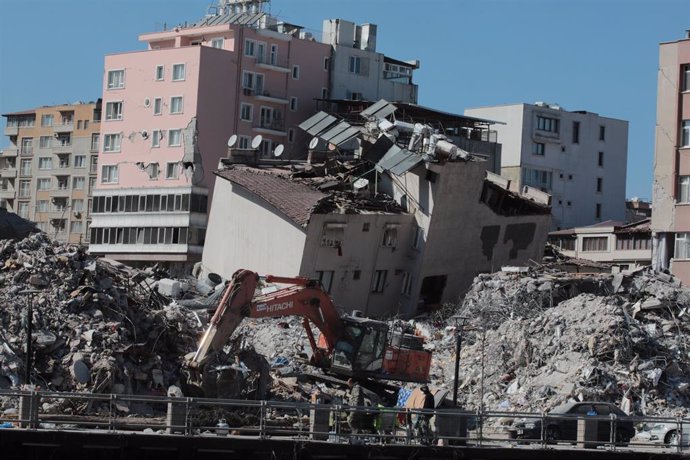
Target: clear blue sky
x=595, y=55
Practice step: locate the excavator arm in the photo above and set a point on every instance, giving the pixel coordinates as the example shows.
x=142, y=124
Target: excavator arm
x=302, y=297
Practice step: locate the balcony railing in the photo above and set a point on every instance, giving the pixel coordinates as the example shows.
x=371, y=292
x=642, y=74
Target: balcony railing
x=8, y=173
x=274, y=125
x=63, y=128
x=26, y=151
x=10, y=153
x=278, y=64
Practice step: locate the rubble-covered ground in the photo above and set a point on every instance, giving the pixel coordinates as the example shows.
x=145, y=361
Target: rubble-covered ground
x=534, y=340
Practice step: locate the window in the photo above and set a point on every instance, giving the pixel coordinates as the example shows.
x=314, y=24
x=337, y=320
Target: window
x=356, y=274
x=243, y=142
x=157, y=106
x=45, y=163
x=682, y=247
x=355, y=65
x=153, y=171
x=111, y=142
x=94, y=164
x=86, y=124
x=113, y=111
x=172, y=171
x=76, y=226
x=595, y=243
x=548, y=124
x=23, y=210
x=602, y=133
x=418, y=238
x=79, y=124
x=633, y=241
x=295, y=72
x=80, y=161
x=24, y=188
x=407, y=284
x=109, y=174
x=293, y=104
x=116, y=79
x=25, y=167
x=600, y=184
x=77, y=205
x=176, y=104
x=155, y=139
x=356, y=96
x=95, y=138
x=600, y=160
x=160, y=72
x=326, y=64
x=325, y=279
x=537, y=178
x=576, y=132
x=44, y=142
x=291, y=135
x=683, y=189
x=390, y=236
x=686, y=77
x=92, y=184
x=246, y=112
x=597, y=211
x=43, y=183
x=78, y=183
x=378, y=283
x=324, y=93
x=27, y=146
x=266, y=148
x=217, y=43
x=685, y=134
x=249, y=48
x=431, y=176
x=538, y=148
x=333, y=235
x=253, y=82
x=42, y=205
x=175, y=137
x=46, y=120
x=178, y=72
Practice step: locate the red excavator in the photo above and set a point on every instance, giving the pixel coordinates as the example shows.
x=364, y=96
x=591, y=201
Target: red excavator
x=350, y=346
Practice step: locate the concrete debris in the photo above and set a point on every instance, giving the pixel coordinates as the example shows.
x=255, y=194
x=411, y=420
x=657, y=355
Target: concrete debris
x=537, y=339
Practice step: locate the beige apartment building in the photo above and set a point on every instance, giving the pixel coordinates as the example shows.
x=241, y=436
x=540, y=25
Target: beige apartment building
x=671, y=199
x=48, y=171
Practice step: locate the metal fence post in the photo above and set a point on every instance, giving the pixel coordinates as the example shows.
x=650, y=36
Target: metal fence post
x=679, y=443
x=262, y=420
x=480, y=422
x=111, y=418
x=614, y=434
x=408, y=426
x=187, y=417
x=542, y=436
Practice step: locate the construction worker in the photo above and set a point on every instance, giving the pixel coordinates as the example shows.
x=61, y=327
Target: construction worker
x=424, y=420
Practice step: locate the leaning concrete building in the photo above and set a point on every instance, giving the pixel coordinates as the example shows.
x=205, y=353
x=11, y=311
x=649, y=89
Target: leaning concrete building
x=388, y=231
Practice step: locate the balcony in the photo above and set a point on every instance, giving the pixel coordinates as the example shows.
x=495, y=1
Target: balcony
x=63, y=128
x=278, y=65
x=8, y=173
x=276, y=127
x=59, y=148
x=61, y=191
x=27, y=151
x=10, y=153
x=7, y=194
x=268, y=96
x=11, y=130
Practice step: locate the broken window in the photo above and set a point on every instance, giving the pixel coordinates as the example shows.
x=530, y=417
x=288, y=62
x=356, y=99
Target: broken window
x=390, y=235
x=595, y=243
x=378, y=283
x=333, y=235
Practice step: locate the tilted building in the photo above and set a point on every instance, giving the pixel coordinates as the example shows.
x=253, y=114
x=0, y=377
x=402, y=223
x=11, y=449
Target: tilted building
x=48, y=172
x=671, y=193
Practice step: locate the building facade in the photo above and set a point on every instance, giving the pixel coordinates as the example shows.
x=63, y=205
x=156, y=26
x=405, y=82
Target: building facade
x=671, y=191
x=624, y=247
x=48, y=172
x=359, y=72
x=169, y=112
x=579, y=157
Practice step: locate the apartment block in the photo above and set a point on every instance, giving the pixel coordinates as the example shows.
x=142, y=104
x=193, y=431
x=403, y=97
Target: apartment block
x=359, y=72
x=48, y=172
x=671, y=191
x=170, y=110
x=578, y=157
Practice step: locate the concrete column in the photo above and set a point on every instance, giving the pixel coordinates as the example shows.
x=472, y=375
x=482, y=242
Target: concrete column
x=587, y=433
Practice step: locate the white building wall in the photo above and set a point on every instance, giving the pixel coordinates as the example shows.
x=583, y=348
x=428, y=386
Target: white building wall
x=246, y=232
x=574, y=167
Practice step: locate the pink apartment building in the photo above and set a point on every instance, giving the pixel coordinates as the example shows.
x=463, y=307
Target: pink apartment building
x=169, y=110
x=671, y=199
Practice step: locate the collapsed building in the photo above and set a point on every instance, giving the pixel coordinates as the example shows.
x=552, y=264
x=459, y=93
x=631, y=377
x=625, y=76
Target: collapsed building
x=390, y=215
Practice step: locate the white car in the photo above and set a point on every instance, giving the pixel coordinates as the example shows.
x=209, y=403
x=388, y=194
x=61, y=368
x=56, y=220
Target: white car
x=667, y=433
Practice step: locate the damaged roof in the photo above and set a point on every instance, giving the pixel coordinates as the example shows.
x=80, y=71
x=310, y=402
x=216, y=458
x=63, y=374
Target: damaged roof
x=294, y=200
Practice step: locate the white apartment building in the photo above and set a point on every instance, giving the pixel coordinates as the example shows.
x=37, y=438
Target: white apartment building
x=579, y=157
x=359, y=72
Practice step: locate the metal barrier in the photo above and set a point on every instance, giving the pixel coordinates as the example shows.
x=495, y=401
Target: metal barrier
x=330, y=423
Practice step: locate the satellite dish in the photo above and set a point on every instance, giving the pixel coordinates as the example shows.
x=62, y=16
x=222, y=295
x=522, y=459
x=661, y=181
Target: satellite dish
x=256, y=142
x=313, y=143
x=332, y=147
x=278, y=150
x=145, y=134
x=360, y=183
x=232, y=141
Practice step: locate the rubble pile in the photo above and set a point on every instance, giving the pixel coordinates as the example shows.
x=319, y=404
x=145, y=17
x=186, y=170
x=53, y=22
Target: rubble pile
x=534, y=340
x=97, y=325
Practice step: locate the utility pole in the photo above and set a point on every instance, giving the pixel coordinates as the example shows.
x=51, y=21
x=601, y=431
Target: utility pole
x=29, y=331
x=458, y=347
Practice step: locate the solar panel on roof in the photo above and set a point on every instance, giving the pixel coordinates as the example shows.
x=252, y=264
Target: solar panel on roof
x=380, y=109
x=317, y=123
x=345, y=136
x=398, y=161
